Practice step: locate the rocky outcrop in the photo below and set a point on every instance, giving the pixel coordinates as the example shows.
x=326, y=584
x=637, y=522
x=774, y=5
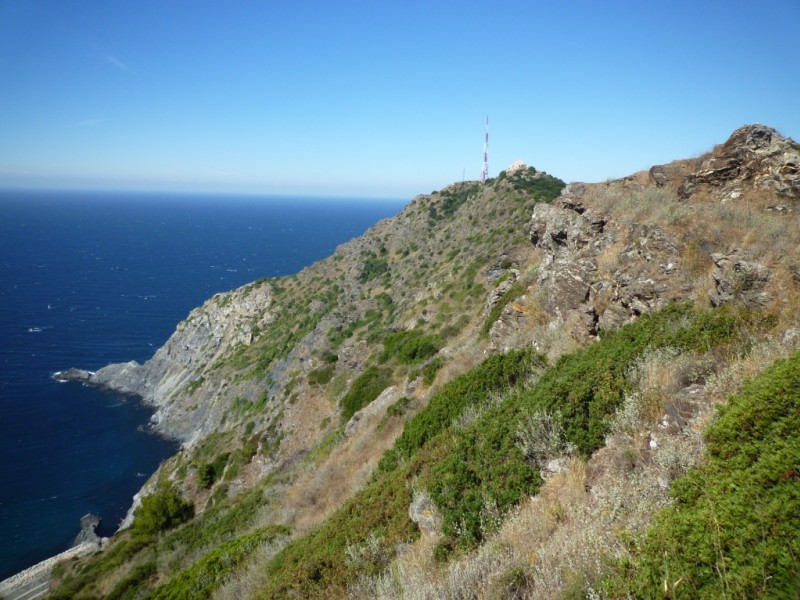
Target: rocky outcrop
x=599, y=272
x=426, y=515
x=88, y=532
x=210, y=332
x=739, y=278
x=754, y=157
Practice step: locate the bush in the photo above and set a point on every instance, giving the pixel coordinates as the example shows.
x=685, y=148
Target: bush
x=373, y=268
x=410, y=347
x=162, y=510
x=400, y=407
x=495, y=373
x=208, y=573
x=364, y=390
x=583, y=390
x=321, y=376
x=208, y=473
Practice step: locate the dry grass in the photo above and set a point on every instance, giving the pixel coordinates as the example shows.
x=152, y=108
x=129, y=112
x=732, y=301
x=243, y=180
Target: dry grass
x=627, y=206
x=320, y=488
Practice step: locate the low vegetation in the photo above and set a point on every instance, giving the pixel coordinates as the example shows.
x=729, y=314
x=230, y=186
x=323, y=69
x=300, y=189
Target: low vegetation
x=364, y=390
x=731, y=531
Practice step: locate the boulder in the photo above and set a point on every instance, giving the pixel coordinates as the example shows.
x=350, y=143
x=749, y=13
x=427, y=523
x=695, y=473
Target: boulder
x=88, y=532
x=739, y=279
x=425, y=514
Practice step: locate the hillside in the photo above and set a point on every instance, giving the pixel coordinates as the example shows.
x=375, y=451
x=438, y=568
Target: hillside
x=488, y=395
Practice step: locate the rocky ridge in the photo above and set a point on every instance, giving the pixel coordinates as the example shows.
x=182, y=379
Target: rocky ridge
x=600, y=268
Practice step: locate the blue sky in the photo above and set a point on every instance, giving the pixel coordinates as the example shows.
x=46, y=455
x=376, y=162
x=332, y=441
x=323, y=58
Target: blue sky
x=381, y=98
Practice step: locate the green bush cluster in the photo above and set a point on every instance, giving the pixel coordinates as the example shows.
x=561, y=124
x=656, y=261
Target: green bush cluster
x=216, y=524
x=544, y=187
x=469, y=468
x=585, y=388
x=209, y=472
x=122, y=552
x=161, y=510
x=207, y=574
x=400, y=407
x=451, y=200
x=497, y=372
x=374, y=266
x=732, y=530
x=410, y=347
x=316, y=565
x=322, y=375
x=364, y=390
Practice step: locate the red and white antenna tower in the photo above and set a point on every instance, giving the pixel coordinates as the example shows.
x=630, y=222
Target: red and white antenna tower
x=485, y=169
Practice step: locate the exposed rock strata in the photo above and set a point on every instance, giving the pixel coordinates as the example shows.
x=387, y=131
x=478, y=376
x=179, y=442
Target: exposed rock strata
x=224, y=322
x=598, y=273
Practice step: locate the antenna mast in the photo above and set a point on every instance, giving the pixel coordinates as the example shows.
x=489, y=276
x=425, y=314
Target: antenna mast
x=485, y=169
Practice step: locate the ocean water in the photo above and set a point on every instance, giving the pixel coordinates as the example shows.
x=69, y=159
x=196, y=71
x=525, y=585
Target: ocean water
x=90, y=278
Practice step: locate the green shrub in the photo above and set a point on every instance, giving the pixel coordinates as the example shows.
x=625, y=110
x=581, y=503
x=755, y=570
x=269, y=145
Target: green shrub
x=161, y=510
x=400, y=407
x=732, y=529
x=410, y=347
x=544, y=188
x=131, y=585
x=373, y=268
x=322, y=375
x=430, y=369
x=317, y=565
x=484, y=465
x=495, y=373
x=364, y=390
x=216, y=524
x=208, y=573
x=208, y=473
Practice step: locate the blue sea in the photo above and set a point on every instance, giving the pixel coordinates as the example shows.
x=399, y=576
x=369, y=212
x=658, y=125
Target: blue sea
x=90, y=278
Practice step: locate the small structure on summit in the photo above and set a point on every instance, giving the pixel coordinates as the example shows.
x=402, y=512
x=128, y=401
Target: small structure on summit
x=517, y=165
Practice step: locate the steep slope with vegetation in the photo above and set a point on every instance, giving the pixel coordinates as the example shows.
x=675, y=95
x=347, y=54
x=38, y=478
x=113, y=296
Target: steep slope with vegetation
x=490, y=395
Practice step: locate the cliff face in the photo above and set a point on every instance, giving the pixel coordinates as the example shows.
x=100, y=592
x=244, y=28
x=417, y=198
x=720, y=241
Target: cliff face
x=294, y=387
x=179, y=368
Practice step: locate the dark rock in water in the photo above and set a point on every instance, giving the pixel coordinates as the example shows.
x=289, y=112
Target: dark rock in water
x=73, y=375
x=88, y=533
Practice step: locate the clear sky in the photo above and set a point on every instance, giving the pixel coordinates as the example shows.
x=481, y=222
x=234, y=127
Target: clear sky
x=382, y=97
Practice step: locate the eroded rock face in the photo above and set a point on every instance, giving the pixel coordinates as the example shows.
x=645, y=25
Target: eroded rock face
x=574, y=240
x=599, y=274
x=224, y=322
x=755, y=156
x=739, y=278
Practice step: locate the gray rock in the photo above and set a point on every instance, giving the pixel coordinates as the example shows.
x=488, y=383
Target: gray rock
x=425, y=514
x=738, y=279
x=88, y=533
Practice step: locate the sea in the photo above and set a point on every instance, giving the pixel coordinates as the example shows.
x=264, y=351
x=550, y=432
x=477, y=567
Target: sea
x=91, y=278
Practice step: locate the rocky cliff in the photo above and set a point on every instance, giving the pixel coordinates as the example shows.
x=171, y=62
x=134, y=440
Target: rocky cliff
x=224, y=323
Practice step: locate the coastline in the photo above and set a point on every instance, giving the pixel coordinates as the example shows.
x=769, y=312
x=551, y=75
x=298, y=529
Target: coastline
x=34, y=582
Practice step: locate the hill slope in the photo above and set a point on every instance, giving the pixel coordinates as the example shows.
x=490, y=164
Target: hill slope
x=342, y=436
